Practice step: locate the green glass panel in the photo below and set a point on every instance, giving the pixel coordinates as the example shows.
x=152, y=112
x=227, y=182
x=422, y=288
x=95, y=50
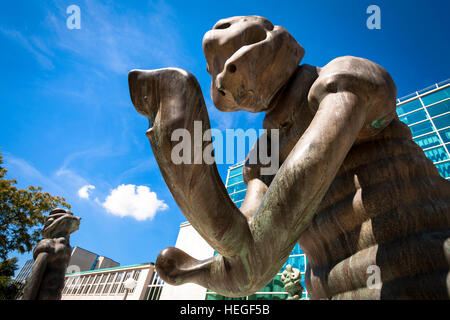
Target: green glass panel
x=268, y=296
x=215, y=296
x=421, y=128
x=437, y=154
x=238, y=196
x=439, y=108
x=444, y=169
x=442, y=122
x=414, y=117
x=235, y=179
x=275, y=285
x=237, y=187
x=428, y=141
x=436, y=96
x=445, y=135
x=408, y=107
x=235, y=171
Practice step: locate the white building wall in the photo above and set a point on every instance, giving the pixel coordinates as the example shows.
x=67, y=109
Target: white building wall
x=193, y=244
x=146, y=271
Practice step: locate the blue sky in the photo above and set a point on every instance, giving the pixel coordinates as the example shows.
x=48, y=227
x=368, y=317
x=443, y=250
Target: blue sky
x=67, y=119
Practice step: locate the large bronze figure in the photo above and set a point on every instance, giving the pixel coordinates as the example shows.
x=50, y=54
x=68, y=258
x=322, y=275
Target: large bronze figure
x=51, y=257
x=353, y=189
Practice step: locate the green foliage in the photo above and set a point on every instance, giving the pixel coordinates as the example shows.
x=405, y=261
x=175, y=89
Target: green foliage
x=8, y=267
x=21, y=210
x=9, y=289
x=21, y=213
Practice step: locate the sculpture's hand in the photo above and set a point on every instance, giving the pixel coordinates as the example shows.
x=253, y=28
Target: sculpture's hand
x=160, y=94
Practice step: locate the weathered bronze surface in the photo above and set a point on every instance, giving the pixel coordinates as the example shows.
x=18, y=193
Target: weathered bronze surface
x=51, y=257
x=354, y=189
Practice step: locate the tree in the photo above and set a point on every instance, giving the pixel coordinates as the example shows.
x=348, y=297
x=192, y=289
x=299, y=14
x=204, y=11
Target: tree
x=9, y=289
x=21, y=212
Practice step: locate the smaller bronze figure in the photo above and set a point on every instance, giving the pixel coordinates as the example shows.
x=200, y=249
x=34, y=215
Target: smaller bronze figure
x=291, y=278
x=51, y=256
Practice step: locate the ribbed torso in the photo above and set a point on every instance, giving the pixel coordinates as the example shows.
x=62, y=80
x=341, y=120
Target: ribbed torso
x=389, y=207
x=52, y=282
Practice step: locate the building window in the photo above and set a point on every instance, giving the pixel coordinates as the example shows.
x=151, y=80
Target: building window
x=116, y=283
x=421, y=128
x=439, y=108
x=88, y=285
x=83, y=283
x=235, y=179
x=414, y=117
x=135, y=277
x=153, y=291
x=235, y=171
x=442, y=122
x=238, y=196
x=108, y=283
x=101, y=284
x=436, y=96
x=122, y=288
x=95, y=284
x=437, y=154
x=237, y=187
x=445, y=135
x=408, y=107
x=68, y=285
x=444, y=169
x=428, y=141
x=75, y=285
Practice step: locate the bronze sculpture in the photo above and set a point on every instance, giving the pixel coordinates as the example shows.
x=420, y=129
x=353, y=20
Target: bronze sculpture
x=353, y=189
x=292, y=278
x=51, y=255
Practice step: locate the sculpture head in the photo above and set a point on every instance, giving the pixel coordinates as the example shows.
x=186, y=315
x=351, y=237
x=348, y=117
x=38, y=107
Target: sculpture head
x=249, y=60
x=60, y=223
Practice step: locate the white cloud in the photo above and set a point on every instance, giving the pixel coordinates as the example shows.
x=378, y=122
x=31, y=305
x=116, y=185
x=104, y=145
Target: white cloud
x=135, y=201
x=83, y=192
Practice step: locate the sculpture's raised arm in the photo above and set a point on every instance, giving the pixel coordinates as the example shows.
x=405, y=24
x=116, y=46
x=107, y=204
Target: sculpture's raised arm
x=250, y=255
x=172, y=99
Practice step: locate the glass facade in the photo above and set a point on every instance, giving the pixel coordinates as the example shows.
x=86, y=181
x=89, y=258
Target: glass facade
x=427, y=113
